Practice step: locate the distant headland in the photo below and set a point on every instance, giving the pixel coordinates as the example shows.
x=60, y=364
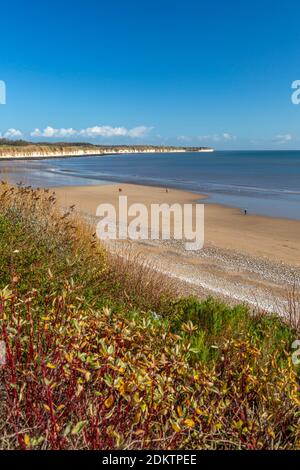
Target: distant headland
x=24, y=150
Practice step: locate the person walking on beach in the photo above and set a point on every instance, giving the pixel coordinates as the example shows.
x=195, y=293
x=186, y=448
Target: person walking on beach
x=245, y=211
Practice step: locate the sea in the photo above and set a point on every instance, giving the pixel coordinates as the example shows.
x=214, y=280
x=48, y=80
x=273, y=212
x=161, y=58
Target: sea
x=261, y=182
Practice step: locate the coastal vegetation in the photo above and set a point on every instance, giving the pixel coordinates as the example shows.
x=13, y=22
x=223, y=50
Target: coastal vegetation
x=22, y=148
x=101, y=353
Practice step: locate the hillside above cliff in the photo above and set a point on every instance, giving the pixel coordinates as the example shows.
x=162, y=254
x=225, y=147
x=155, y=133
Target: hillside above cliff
x=21, y=148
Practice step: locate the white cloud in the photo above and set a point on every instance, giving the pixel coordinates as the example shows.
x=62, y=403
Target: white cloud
x=103, y=131
x=283, y=138
x=93, y=132
x=139, y=131
x=227, y=136
x=108, y=131
x=13, y=133
x=224, y=137
x=51, y=132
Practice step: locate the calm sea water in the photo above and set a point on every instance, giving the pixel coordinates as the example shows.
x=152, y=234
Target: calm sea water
x=266, y=183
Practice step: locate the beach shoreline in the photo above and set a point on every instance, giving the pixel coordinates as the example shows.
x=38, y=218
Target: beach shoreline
x=225, y=226
x=242, y=187
x=252, y=259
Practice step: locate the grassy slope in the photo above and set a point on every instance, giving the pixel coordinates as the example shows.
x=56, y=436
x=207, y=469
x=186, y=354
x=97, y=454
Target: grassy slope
x=101, y=354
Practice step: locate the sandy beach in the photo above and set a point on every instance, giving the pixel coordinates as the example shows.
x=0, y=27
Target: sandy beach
x=250, y=258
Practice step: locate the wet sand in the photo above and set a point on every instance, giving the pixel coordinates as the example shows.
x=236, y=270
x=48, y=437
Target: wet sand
x=248, y=258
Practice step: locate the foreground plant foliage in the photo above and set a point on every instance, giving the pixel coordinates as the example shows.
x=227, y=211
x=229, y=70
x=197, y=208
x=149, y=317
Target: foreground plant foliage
x=90, y=365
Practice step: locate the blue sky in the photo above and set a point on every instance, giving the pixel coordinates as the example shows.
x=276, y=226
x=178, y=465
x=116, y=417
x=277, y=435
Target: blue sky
x=165, y=72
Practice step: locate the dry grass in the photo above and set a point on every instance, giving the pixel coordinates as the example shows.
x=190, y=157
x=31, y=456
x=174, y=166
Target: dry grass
x=293, y=311
x=140, y=278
